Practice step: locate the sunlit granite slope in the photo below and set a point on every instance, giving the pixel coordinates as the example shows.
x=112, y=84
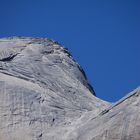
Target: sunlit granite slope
x=41, y=87
x=45, y=95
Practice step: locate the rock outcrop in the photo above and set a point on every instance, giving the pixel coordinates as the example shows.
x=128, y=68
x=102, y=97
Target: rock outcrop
x=45, y=95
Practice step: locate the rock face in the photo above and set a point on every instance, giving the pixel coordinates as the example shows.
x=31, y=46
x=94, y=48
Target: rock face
x=45, y=95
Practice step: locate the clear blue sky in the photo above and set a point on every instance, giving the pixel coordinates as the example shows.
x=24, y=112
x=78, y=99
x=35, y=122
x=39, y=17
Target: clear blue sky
x=102, y=35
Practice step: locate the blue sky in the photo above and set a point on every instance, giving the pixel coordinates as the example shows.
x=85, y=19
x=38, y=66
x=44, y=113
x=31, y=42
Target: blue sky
x=102, y=35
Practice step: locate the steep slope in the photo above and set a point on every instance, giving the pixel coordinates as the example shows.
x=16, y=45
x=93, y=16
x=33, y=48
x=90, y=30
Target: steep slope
x=121, y=121
x=43, y=91
x=45, y=95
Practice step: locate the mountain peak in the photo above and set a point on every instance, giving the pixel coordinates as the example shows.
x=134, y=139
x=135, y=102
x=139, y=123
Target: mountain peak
x=45, y=95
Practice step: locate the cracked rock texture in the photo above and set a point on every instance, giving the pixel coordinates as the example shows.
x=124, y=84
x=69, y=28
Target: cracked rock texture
x=45, y=95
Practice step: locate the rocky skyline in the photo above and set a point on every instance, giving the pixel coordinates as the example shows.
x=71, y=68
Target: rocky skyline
x=45, y=95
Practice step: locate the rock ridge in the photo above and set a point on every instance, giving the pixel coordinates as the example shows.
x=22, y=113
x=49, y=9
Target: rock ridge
x=45, y=95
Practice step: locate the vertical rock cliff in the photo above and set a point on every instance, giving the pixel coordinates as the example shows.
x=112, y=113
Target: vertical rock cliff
x=41, y=87
x=45, y=95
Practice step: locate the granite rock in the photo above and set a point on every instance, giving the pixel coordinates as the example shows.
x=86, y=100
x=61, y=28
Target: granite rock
x=45, y=95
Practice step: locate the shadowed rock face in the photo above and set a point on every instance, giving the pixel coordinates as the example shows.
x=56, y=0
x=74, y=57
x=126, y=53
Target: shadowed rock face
x=45, y=95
